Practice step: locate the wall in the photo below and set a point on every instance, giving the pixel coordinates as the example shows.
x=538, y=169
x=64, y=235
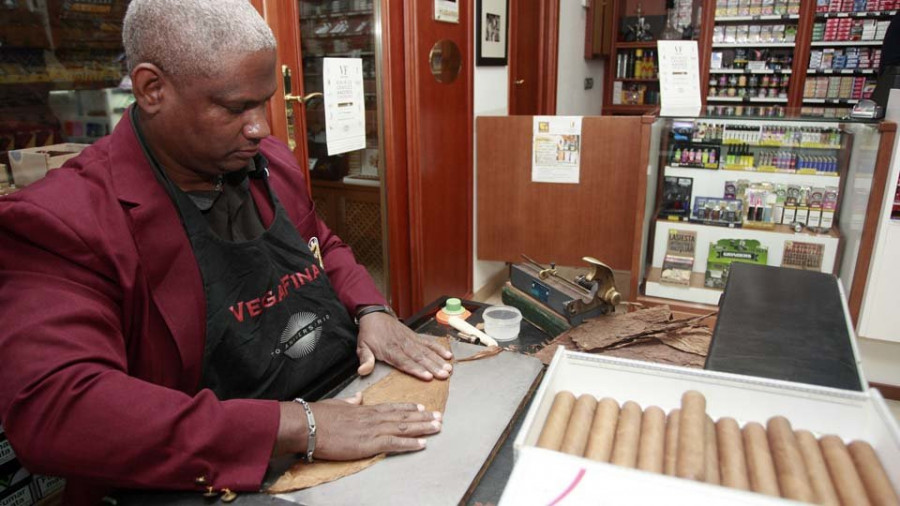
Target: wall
x=571, y=97
x=491, y=88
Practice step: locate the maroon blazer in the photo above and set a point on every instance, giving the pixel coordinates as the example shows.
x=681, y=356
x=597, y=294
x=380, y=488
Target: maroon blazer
x=103, y=328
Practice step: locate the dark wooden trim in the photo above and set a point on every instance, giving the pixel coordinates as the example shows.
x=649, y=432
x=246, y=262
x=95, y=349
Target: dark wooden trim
x=609, y=70
x=801, y=53
x=870, y=225
x=640, y=207
x=891, y=392
x=704, y=49
x=283, y=18
x=511, y=52
x=549, y=58
x=393, y=101
x=469, y=169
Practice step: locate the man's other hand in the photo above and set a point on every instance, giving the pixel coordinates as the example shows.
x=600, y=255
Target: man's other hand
x=383, y=337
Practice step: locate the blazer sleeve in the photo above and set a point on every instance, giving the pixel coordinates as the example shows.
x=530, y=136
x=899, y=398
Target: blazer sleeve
x=351, y=281
x=67, y=402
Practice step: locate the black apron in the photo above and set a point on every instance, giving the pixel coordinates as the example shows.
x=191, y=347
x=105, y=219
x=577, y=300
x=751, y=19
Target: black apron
x=274, y=324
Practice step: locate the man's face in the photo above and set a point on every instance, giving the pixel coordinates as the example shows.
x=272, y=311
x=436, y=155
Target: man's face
x=213, y=125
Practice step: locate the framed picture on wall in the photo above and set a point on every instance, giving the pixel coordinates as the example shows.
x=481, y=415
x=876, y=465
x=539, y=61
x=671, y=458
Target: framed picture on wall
x=493, y=28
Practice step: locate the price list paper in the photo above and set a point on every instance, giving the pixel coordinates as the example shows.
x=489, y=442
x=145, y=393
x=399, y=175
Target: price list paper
x=556, y=149
x=345, y=108
x=679, y=78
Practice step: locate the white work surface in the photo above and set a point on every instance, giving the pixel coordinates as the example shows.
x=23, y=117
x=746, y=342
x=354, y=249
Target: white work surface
x=484, y=396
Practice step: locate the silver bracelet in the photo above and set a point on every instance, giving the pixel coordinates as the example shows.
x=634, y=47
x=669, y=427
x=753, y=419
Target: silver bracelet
x=311, y=422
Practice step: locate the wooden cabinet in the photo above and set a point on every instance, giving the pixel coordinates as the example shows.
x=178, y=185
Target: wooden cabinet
x=353, y=212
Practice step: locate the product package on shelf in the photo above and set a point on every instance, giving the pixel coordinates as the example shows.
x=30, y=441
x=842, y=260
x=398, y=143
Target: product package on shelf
x=679, y=260
x=676, y=199
x=727, y=251
x=717, y=211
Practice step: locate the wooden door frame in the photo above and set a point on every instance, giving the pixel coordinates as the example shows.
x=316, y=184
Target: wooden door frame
x=283, y=19
x=396, y=178
x=548, y=42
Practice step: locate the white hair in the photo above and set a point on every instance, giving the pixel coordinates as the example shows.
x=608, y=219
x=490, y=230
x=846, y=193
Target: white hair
x=191, y=37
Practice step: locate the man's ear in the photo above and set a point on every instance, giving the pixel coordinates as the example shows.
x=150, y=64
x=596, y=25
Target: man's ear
x=149, y=86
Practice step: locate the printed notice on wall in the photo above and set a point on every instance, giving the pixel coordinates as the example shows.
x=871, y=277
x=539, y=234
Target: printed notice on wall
x=679, y=78
x=446, y=11
x=556, y=149
x=345, y=108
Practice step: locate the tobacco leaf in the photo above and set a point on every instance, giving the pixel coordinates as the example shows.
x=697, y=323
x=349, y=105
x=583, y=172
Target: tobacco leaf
x=395, y=387
x=694, y=340
x=655, y=351
x=603, y=332
x=490, y=351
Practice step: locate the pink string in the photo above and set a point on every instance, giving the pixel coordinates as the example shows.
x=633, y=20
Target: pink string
x=569, y=488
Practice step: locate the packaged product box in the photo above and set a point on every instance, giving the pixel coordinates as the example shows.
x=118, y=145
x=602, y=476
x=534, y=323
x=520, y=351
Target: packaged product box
x=31, y=164
x=727, y=251
x=743, y=8
x=768, y=7
x=755, y=7
x=829, y=204
x=790, y=204
x=816, y=198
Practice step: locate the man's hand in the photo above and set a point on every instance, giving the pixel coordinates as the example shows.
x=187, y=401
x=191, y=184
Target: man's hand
x=383, y=337
x=348, y=431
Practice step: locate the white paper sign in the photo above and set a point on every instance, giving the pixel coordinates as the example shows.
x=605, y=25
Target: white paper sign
x=446, y=10
x=556, y=149
x=679, y=78
x=345, y=108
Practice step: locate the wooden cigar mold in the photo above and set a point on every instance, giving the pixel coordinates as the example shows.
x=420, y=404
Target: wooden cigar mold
x=774, y=459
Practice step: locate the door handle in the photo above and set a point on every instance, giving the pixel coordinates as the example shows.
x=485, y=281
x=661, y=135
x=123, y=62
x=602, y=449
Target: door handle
x=520, y=82
x=301, y=100
x=288, y=106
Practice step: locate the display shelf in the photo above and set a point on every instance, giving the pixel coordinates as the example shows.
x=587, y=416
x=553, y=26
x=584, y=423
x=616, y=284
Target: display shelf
x=650, y=44
x=832, y=101
x=632, y=108
x=706, y=234
x=749, y=71
x=635, y=80
x=837, y=43
x=717, y=178
x=726, y=45
x=840, y=71
x=773, y=100
x=350, y=54
x=368, y=12
x=865, y=14
x=695, y=292
x=757, y=17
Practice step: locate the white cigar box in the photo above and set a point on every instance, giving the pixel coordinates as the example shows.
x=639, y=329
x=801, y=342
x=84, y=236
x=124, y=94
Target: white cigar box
x=540, y=475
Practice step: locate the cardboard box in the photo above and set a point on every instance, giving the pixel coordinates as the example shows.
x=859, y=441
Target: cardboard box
x=540, y=473
x=31, y=164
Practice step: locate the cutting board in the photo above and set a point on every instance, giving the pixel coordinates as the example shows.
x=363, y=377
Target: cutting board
x=484, y=397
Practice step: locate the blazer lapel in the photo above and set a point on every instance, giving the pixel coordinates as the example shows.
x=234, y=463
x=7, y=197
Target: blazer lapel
x=163, y=246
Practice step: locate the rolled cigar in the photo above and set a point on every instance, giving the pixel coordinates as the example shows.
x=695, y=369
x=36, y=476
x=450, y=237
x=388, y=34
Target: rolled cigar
x=557, y=420
x=671, y=453
x=846, y=480
x=579, y=426
x=712, y=453
x=653, y=436
x=874, y=478
x=823, y=490
x=628, y=434
x=760, y=467
x=732, y=462
x=603, y=430
x=691, y=453
x=793, y=480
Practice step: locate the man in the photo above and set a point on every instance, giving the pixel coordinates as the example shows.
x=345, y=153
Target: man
x=161, y=293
